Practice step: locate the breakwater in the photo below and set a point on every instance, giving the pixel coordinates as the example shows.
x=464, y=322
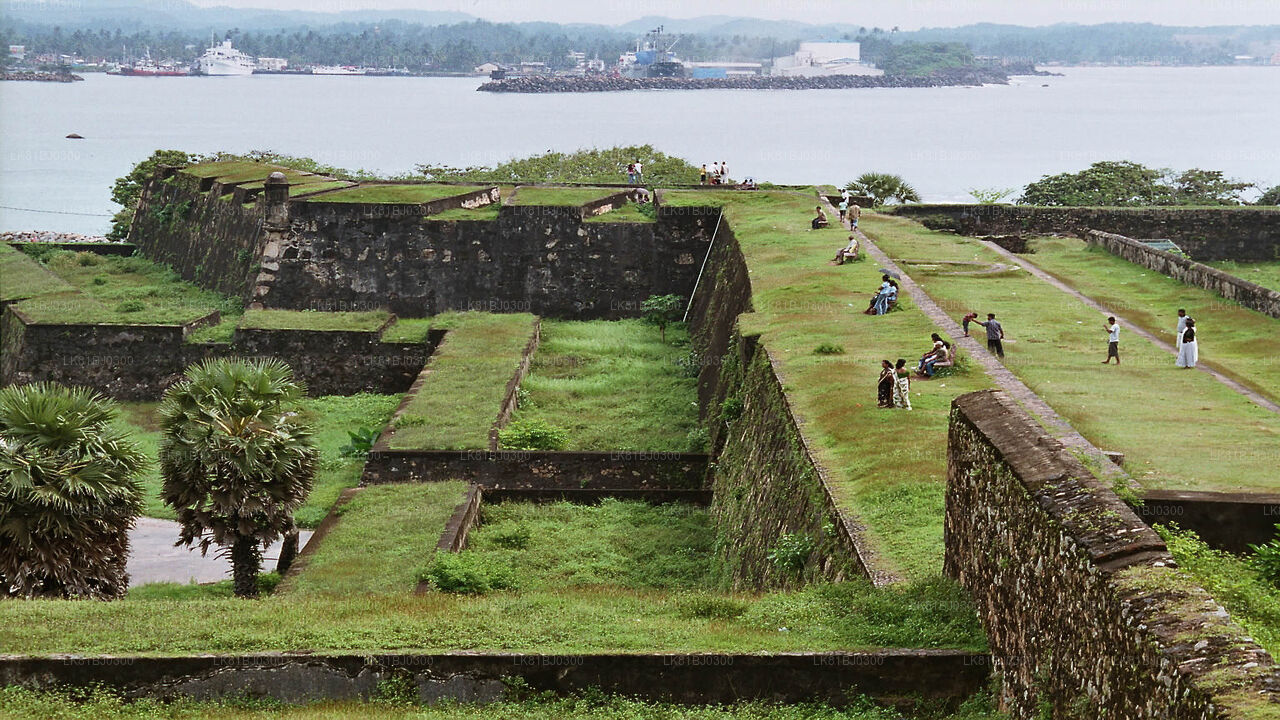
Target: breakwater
x=39, y=76
x=546, y=84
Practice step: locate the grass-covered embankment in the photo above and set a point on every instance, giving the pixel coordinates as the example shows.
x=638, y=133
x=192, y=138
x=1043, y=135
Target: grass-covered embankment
x=409, y=193
x=1266, y=274
x=467, y=379
x=887, y=467
x=1179, y=429
x=558, y=196
x=612, y=386
x=1234, y=340
x=23, y=277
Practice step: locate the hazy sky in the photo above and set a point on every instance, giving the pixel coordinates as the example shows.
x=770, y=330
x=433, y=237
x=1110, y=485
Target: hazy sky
x=907, y=14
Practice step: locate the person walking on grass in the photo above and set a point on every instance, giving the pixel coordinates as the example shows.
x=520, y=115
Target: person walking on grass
x=1113, y=341
x=995, y=334
x=1182, y=325
x=855, y=212
x=884, y=386
x=844, y=210
x=901, y=385
x=1188, y=350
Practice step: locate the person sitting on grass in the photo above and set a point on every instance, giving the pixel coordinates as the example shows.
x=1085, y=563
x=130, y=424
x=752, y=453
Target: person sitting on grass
x=901, y=385
x=940, y=352
x=848, y=253
x=884, y=387
x=820, y=220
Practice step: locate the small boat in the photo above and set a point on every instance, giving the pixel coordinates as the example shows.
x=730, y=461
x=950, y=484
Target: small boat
x=337, y=70
x=146, y=67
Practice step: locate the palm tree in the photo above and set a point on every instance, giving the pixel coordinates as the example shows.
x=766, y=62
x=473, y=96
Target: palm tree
x=235, y=458
x=882, y=187
x=68, y=493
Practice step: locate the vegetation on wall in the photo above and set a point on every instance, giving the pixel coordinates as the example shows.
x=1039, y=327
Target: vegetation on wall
x=606, y=165
x=1123, y=183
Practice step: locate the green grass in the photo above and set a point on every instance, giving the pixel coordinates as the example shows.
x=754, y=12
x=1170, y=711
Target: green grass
x=569, y=196
x=364, y=321
x=623, y=544
x=628, y=213
x=1179, y=429
x=409, y=193
x=331, y=417
x=408, y=330
x=386, y=533
x=296, y=190
x=1236, y=341
x=1253, y=603
x=23, y=277
x=612, y=385
x=122, y=290
x=1266, y=274
x=227, y=168
x=887, y=467
x=20, y=703
x=484, y=213
x=467, y=381
x=267, y=583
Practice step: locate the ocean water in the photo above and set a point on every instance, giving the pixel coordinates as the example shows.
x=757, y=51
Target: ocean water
x=945, y=141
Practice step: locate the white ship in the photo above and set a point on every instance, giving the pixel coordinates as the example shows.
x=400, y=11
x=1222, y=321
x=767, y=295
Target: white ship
x=337, y=70
x=222, y=59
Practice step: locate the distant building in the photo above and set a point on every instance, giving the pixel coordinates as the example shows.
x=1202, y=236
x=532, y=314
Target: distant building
x=577, y=59
x=1275, y=59
x=271, y=64
x=724, y=69
x=486, y=68
x=18, y=52
x=824, y=58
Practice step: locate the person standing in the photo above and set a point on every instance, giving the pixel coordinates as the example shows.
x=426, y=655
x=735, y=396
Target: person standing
x=1188, y=351
x=1182, y=325
x=844, y=210
x=702, y=179
x=724, y=172
x=1113, y=341
x=855, y=212
x=884, y=387
x=901, y=385
x=995, y=334
x=971, y=317
x=639, y=172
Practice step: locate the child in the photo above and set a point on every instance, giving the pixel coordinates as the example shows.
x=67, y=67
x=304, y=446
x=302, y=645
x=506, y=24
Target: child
x=968, y=319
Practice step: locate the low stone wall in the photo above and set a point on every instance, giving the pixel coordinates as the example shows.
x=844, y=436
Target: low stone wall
x=465, y=517
x=902, y=678
x=137, y=362
x=1229, y=233
x=539, y=470
x=1086, y=613
x=1226, y=521
x=1254, y=297
x=512, y=395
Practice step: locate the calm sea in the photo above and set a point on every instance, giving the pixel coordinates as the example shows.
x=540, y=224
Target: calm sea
x=946, y=141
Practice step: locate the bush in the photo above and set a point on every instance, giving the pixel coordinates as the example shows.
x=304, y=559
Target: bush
x=791, y=552
x=1266, y=561
x=131, y=306
x=361, y=442
x=697, y=440
x=710, y=607
x=730, y=409
x=461, y=574
x=533, y=435
x=516, y=538
x=829, y=349
x=87, y=259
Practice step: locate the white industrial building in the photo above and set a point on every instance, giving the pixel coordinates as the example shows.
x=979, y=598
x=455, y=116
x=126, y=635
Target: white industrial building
x=824, y=58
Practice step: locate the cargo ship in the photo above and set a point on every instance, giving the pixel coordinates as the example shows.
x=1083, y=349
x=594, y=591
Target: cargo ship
x=652, y=58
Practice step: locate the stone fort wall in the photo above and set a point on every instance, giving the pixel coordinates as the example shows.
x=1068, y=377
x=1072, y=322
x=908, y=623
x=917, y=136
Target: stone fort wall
x=1084, y=608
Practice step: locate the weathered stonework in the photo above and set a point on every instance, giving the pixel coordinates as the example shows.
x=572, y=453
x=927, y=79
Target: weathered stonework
x=1235, y=233
x=1086, y=613
x=1254, y=297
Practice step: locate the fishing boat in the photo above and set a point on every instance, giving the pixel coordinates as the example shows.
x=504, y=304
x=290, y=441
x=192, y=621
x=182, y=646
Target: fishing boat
x=146, y=67
x=222, y=59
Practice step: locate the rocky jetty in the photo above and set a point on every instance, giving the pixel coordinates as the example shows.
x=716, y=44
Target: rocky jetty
x=39, y=76
x=941, y=78
x=48, y=236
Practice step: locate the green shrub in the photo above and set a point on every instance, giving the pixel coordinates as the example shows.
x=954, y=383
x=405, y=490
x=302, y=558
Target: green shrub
x=1265, y=561
x=515, y=538
x=698, y=440
x=533, y=435
x=465, y=575
x=711, y=607
x=100, y=280
x=131, y=306
x=87, y=259
x=361, y=442
x=730, y=409
x=690, y=364
x=829, y=349
x=791, y=552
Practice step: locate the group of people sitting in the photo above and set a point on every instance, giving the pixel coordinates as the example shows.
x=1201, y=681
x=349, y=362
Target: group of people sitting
x=940, y=355
x=885, y=298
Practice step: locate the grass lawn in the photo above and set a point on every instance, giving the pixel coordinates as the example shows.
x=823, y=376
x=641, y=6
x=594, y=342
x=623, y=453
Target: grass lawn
x=1234, y=340
x=630, y=212
x=567, y=196
x=631, y=545
x=612, y=385
x=365, y=321
x=484, y=213
x=122, y=290
x=408, y=330
x=23, y=277
x=1266, y=274
x=20, y=703
x=227, y=168
x=331, y=418
x=888, y=467
x=386, y=535
x=1179, y=429
x=405, y=194
x=468, y=379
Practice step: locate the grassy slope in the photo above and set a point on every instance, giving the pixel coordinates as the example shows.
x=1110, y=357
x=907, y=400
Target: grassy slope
x=395, y=193
x=20, y=703
x=487, y=213
x=888, y=467
x=367, y=321
x=105, y=284
x=612, y=385
x=624, y=544
x=467, y=381
x=1239, y=342
x=1266, y=274
x=331, y=417
x=23, y=277
x=386, y=534
x=1178, y=428
x=570, y=196
x=630, y=212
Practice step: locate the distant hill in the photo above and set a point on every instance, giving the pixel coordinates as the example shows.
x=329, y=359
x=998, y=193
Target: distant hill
x=184, y=16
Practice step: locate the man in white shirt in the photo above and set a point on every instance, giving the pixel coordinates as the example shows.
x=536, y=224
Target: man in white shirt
x=1113, y=341
x=639, y=172
x=1182, y=325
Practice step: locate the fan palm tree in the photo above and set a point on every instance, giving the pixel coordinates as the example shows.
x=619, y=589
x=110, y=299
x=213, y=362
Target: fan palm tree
x=882, y=187
x=235, y=458
x=68, y=493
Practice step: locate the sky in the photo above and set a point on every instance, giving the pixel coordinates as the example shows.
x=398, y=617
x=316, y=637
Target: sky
x=906, y=14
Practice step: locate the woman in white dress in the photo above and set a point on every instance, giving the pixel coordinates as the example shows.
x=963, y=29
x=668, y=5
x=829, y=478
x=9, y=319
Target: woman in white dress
x=901, y=385
x=1188, y=352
